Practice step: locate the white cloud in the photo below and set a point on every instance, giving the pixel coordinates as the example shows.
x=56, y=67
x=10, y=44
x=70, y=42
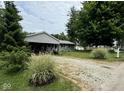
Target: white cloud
x=45, y=15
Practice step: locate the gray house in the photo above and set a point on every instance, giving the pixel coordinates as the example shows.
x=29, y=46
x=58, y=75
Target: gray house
x=43, y=42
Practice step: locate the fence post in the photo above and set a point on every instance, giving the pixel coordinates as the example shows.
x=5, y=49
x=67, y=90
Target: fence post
x=118, y=52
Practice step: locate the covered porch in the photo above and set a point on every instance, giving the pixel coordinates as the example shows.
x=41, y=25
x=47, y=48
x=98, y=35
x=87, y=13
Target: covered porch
x=43, y=47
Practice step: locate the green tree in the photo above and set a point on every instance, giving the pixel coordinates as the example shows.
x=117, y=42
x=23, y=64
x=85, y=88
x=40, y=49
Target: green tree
x=104, y=23
x=2, y=27
x=60, y=36
x=100, y=23
x=13, y=36
x=119, y=21
x=12, y=45
x=72, y=25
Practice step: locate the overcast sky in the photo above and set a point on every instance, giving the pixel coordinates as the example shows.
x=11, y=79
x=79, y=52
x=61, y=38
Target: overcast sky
x=48, y=16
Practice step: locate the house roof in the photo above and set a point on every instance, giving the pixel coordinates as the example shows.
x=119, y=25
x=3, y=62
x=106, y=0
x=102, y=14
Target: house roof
x=44, y=37
x=65, y=42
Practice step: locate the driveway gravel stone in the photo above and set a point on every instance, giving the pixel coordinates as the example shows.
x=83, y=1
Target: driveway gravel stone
x=91, y=74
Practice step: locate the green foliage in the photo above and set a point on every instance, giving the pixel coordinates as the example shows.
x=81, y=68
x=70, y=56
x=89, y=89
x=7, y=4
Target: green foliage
x=76, y=54
x=10, y=28
x=99, y=53
x=43, y=70
x=12, y=68
x=24, y=49
x=2, y=64
x=60, y=36
x=97, y=23
x=111, y=55
x=15, y=60
x=2, y=26
x=72, y=25
x=17, y=57
x=12, y=44
x=19, y=82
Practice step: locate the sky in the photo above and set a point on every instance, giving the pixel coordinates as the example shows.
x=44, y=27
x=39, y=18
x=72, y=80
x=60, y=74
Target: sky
x=48, y=16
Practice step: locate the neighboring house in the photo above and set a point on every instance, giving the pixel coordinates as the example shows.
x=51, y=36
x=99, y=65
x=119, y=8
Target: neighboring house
x=43, y=42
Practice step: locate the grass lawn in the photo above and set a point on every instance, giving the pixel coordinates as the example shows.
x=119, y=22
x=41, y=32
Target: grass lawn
x=86, y=55
x=19, y=82
x=77, y=54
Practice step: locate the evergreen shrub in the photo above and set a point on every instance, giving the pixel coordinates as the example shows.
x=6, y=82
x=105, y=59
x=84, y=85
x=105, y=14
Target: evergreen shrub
x=15, y=60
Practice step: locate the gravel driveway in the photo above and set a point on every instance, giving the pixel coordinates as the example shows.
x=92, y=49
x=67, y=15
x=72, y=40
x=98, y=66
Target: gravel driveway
x=91, y=74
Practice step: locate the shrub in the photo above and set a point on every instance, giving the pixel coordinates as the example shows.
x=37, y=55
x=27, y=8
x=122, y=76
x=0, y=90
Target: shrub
x=2, y=64
x=15, y=60
x=43, y=70
x=27, y=50
x=12, y=68
x=99, y=53
x=111, y=51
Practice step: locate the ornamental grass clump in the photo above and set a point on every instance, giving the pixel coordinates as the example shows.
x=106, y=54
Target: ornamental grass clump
x=43, y=70
x=99, y=53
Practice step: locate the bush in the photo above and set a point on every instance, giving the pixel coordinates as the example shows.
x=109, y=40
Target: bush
x=13, y=68
x=43, y=70
x=99, y=53
x=27, y=50
x=2, y=64
x=15, y=60
x=111, y=51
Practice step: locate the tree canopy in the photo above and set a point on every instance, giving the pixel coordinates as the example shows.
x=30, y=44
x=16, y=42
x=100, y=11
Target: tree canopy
x=2, y=26
x=98, y=23
x=72, y=25
x=60, y=36
x=11, y=30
